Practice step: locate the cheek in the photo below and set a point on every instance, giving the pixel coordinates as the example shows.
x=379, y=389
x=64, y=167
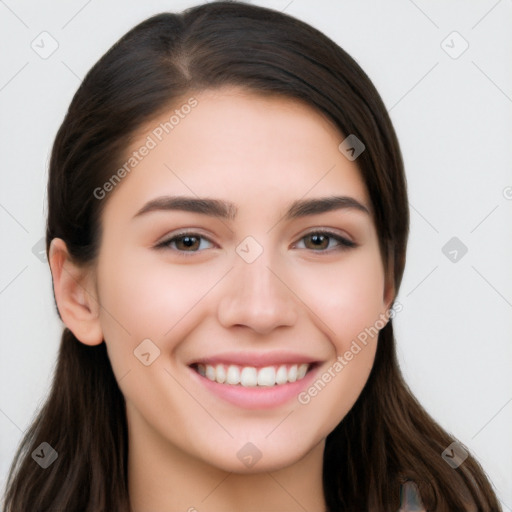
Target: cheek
x=347, y=297
x=148, y=298
x=146, y=301
x=348, y=301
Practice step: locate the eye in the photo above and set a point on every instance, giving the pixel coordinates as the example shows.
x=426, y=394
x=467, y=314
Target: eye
x=184, y=242
x=320, y=241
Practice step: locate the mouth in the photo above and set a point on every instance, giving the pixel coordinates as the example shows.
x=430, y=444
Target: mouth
x=254, y=380
x=251, y=376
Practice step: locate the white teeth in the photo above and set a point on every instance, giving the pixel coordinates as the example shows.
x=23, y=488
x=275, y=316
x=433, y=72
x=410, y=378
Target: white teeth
x=249, y=376
x=233, y=376
x=267, y=376
x=282, y=375
x=210, y=372
x=220, y=373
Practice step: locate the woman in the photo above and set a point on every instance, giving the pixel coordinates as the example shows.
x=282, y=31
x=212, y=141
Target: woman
x=227, y=227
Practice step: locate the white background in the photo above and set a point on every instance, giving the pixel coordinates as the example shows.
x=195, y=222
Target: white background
x=453, y=117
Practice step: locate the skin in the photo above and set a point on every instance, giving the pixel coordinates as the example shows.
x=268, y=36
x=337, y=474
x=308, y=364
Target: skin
x=260, y=153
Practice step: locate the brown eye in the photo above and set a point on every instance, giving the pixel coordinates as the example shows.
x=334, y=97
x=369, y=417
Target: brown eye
x=320, y=241
x=184, y=242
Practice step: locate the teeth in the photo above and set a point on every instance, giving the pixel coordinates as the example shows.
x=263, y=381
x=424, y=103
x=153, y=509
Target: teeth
x=233, y=374
x=220, y=374
x=249, y=376
x=301, y=372
x=282, y=375
x=210, y=372
x=267, y=376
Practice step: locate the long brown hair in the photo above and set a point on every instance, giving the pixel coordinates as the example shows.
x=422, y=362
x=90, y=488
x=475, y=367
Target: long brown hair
x=387, y=438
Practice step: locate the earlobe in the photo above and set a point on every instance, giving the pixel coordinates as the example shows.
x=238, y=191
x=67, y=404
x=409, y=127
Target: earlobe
x=388, y=297
x=75, y=295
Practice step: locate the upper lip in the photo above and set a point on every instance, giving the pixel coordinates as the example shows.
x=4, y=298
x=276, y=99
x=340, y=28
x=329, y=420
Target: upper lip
x=256, y=359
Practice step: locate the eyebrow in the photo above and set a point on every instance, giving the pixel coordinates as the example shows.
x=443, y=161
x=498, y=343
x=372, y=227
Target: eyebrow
x=227, y=210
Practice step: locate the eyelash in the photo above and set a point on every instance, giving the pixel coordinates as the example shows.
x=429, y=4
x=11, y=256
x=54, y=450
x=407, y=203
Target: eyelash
x=344, y=244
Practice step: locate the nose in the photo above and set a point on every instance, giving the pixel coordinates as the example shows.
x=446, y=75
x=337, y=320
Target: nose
x=257, y=296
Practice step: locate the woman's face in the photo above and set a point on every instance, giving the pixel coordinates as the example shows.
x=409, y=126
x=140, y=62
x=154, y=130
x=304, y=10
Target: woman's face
x=255, y=284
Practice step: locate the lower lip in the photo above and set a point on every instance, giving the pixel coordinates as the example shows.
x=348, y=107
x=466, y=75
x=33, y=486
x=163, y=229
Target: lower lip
x=257, y=397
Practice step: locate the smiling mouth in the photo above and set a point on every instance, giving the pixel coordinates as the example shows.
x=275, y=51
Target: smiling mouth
x=250, y=376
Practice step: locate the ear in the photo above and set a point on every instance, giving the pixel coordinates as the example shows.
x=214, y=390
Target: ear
x=389, y=292
x=389, y=283
x=75, y=294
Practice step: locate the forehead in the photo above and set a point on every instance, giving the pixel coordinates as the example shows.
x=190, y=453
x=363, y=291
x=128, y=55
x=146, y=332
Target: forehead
x=237, y=145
